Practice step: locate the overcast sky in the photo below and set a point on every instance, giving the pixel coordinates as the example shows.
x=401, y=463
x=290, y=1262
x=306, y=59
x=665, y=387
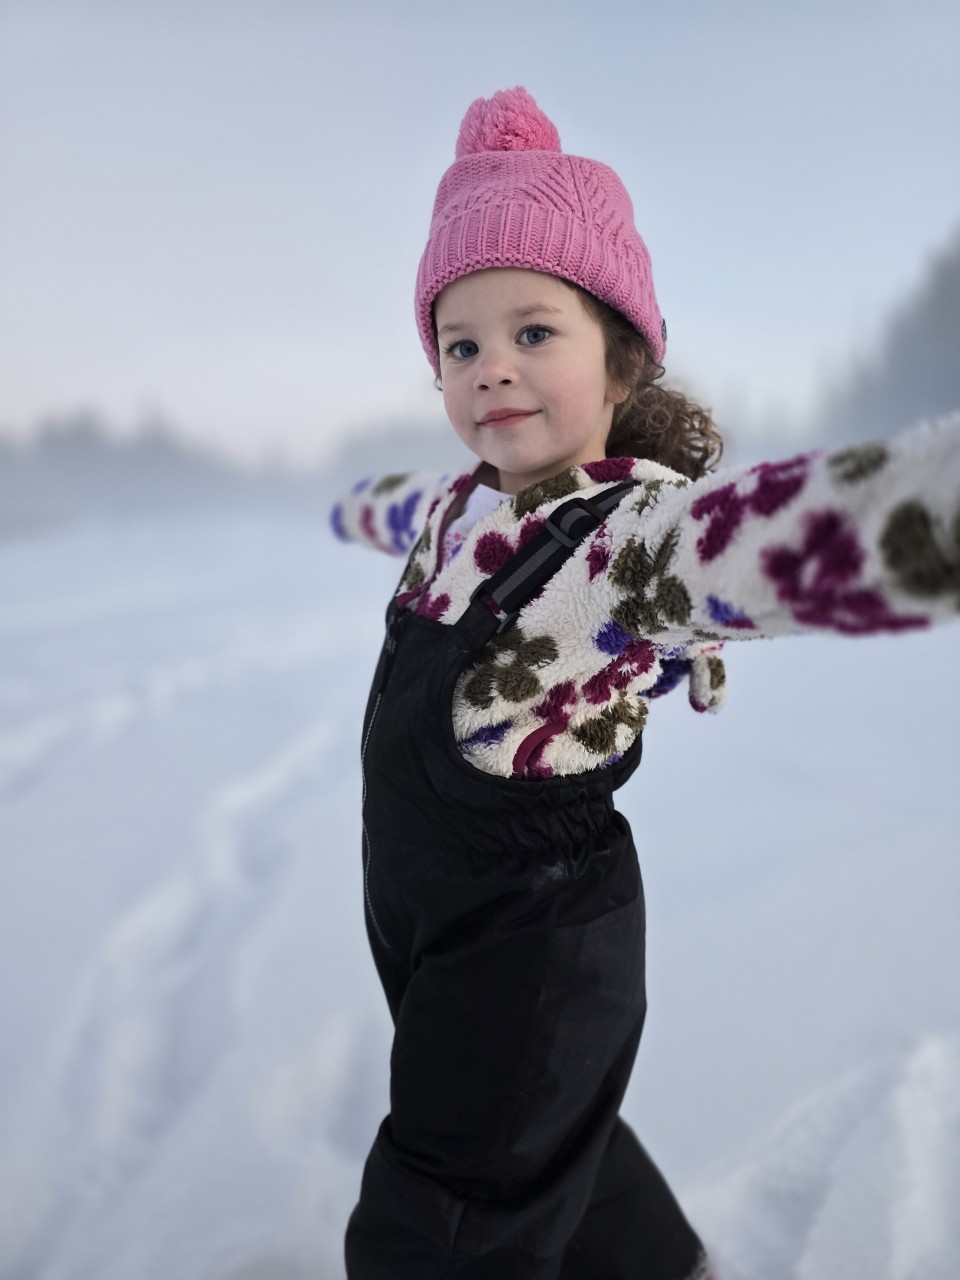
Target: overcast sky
x=213, y=211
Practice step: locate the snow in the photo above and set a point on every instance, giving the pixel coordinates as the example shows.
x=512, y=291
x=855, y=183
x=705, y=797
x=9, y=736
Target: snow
x=193, y=1044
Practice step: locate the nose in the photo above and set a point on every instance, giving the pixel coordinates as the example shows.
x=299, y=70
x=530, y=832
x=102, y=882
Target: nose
x=493, y=369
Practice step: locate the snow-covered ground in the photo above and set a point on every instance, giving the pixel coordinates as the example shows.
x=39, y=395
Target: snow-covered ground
x=193, y=1045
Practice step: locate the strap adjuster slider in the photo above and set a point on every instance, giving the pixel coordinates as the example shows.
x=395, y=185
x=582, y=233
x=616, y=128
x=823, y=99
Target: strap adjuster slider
x=569, y=514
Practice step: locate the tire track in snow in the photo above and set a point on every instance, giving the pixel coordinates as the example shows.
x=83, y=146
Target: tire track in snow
x=331, y=1097
x=30, y=750
x=155, y=1018
x=860, y=1180
x=925, y=1111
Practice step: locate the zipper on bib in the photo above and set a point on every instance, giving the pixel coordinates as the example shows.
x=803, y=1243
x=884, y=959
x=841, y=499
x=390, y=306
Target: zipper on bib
x=379, y=680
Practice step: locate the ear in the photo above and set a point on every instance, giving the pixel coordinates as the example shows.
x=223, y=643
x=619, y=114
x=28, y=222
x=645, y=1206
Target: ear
x=616, y=393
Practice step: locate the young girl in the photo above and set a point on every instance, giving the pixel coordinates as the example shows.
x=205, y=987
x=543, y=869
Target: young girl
x=586, y=566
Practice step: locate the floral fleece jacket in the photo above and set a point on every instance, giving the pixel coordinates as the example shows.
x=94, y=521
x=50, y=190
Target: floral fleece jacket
x=861, y=541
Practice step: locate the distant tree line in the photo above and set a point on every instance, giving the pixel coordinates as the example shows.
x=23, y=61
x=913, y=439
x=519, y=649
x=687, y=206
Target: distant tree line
x=915, y=371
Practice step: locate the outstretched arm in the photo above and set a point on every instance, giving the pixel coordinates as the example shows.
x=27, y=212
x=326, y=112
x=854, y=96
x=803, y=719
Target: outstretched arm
x=859, y=541
x=389, y=513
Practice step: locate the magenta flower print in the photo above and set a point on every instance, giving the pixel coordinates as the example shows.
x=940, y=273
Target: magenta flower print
x=635, y=659
x=773, y=485
x=553, y=706
x=494, y=549
x=606, y=469
x=820, y=580
x=598, y=553
x=492, y=552
x=434, y=607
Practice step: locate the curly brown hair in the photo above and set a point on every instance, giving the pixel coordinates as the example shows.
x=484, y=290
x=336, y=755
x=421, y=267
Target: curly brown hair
x=653, y=422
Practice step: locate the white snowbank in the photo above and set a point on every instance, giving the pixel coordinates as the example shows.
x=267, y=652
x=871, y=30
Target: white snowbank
x=193, y=1045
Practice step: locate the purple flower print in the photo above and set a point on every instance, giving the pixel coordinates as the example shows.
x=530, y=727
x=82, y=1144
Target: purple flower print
x=612, y=639
x=728, y=616
x=400, y=521
x=488, y=735
x=672, y=671
x=336, y=521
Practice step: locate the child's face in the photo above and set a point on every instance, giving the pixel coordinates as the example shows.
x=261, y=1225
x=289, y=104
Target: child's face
x=517, y=339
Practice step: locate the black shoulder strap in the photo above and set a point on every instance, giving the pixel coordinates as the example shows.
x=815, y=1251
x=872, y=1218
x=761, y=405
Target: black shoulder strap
x=497, y=600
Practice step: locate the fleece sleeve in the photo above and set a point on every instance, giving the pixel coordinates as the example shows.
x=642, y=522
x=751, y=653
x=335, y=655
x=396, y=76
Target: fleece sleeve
x=388, y=514
x=860, y=541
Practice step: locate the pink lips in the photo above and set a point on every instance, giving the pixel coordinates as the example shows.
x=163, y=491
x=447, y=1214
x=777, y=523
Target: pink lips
x=504, y=417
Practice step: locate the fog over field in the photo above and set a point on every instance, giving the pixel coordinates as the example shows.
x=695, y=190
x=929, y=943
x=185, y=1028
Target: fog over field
x=193, y=1044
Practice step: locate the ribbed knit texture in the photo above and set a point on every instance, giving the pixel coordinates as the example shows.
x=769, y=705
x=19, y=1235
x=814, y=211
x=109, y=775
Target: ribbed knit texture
x=513, y=199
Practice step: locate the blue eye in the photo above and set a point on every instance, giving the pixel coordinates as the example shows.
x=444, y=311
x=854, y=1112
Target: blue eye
x=451, y=350
x=536, y=329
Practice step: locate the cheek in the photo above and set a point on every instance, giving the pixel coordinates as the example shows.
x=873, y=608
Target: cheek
x=456, y=404
x=449, y=393
x=579, y=387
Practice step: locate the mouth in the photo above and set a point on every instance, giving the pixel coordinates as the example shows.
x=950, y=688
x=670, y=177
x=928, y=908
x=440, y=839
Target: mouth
x=506, y=417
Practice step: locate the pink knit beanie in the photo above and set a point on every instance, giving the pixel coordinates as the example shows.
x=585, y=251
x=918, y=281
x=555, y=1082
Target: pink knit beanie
x=512, y=198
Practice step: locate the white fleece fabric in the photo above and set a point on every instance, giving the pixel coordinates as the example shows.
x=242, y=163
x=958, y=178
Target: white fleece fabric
x=859, y=541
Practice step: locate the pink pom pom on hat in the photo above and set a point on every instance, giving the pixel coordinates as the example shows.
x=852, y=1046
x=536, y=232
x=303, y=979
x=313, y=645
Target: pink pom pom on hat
x=512, y=198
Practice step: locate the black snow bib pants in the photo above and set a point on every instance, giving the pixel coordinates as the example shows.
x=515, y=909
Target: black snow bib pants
x=506, y=920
